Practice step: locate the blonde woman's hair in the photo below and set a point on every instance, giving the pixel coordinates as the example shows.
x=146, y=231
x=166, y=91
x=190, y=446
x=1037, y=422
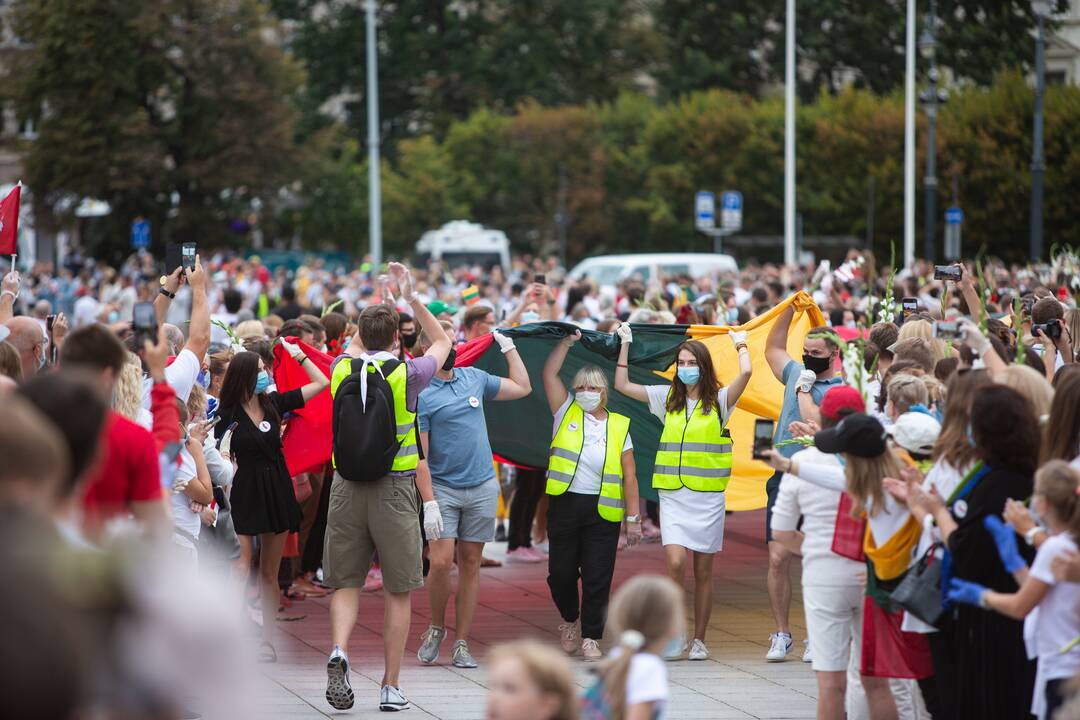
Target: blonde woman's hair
x=127, y=397
x=196, y=403
x=924, y=330
x=905, y=391
x=547, y=668
x=642, y=614
x=864, y=477
x=250, y=328
x=592, y=375
x=935, y=391
x=1030, y=383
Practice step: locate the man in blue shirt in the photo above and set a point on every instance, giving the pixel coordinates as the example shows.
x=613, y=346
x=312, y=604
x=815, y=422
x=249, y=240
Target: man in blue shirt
x=458, y=464
x=805, y=384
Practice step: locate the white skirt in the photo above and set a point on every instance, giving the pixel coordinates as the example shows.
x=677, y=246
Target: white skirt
x=694, y=520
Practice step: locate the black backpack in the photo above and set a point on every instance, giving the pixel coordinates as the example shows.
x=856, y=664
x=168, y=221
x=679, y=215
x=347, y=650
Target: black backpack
x=365, y=435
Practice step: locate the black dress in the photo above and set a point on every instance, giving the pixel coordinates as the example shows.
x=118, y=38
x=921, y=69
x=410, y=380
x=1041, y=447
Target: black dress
x=982, y=669
x=262, y=499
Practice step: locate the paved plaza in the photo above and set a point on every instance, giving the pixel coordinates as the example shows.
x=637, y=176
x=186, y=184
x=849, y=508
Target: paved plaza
x=514, y=603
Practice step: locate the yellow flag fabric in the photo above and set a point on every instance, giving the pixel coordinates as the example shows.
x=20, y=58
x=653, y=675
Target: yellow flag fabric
x=763, y=396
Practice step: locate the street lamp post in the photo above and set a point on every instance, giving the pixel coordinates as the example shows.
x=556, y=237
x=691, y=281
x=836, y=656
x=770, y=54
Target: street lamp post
x=1041, y=8
x=930, y=98
x=374, y=190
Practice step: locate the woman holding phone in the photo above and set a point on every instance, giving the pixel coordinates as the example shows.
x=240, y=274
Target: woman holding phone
x=693, y=464
x=263, y=501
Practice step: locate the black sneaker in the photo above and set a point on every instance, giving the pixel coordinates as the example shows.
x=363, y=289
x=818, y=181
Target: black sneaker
x=338, y=690
x=500, y=533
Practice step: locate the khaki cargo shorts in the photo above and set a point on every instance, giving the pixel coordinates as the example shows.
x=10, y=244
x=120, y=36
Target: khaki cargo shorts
x=368, y=517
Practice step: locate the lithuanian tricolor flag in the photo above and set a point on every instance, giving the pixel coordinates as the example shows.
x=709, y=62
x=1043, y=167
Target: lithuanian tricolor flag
x=520, y=431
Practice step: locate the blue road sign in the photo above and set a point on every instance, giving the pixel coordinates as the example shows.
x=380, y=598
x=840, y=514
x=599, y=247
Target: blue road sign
x=140, y=234
x=705, y=210
x=954, y=216
x=731, y=215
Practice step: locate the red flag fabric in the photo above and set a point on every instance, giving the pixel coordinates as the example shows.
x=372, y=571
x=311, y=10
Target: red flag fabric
x=306, y=441
x=9, y=222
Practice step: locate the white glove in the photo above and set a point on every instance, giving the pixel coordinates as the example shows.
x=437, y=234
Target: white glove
x=973, y=337
x=807, y=378
x=293, y=350
x=432, y=520
x=625, y=336
x=404, y=280
x=737, y=337
x=505, y=343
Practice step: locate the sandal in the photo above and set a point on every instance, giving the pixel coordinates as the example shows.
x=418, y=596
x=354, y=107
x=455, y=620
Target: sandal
x=309, y=589
x=489, y=562
x=266, y=653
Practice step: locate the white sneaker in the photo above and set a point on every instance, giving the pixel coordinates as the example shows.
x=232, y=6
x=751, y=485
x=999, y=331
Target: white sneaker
x=590, y=650
x=780, y=646
x=806, y=656
x=698, y=651
x=676, y=654
x=391, y=699
x=339, y=692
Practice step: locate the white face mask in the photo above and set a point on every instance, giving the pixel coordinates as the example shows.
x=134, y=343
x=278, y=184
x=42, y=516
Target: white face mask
x=588, y=401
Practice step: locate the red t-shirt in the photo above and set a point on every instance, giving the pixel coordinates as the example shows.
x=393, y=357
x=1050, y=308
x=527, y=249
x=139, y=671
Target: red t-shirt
x=129, y=471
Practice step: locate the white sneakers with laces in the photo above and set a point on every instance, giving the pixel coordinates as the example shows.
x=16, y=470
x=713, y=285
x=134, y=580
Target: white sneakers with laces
x=698, y=651
x=391, y=699
x=590, y=650
x=779, y=646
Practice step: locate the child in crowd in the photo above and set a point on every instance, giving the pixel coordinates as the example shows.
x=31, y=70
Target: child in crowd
x=530, y=681
x=647, y=617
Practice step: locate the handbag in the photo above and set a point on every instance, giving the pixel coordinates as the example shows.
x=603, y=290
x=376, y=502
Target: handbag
x=919, y=593
x=848, y=532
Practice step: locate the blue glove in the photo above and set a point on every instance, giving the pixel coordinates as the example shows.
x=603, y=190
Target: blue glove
x=1005, y=539
x=962, y=591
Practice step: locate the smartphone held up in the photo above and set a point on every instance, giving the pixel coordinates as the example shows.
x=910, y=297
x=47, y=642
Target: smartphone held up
x=763, y=437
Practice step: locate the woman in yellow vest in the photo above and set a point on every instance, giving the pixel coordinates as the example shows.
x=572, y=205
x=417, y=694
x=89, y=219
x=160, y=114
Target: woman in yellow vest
x=593, y=483
x=693, y=465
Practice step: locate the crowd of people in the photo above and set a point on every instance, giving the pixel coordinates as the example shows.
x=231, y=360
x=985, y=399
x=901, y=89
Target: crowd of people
x=925, y=459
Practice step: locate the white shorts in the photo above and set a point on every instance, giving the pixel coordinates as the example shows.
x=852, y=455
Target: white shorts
x=833, y=618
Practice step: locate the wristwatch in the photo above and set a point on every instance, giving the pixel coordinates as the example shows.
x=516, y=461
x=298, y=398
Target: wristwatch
x=166, y=293
x=633, y=518
x=1029, y=536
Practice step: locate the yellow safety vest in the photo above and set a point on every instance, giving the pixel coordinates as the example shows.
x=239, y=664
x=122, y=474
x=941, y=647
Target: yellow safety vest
x=566, y=450
x=694, y=452
x=406, y=458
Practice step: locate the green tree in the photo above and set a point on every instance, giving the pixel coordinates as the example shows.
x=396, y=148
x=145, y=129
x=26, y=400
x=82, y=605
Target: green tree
x=173, y=109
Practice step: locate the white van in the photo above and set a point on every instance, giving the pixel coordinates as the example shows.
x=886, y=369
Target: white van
x=608, y=270
x=460, y=242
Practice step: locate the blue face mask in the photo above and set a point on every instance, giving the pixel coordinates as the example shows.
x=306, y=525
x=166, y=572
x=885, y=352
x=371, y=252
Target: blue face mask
x=203, y=379
x=970, y=436
x=262, y=382
x=530, y=317
x=689, y=375
x=732, y=315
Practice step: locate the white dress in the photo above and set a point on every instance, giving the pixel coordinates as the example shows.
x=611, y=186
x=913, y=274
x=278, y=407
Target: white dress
x=692, y=519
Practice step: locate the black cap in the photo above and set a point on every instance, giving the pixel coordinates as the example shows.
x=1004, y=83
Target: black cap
x=859, y=435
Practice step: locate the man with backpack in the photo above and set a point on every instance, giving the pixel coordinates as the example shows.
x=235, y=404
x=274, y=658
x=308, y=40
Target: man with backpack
x=374, y=498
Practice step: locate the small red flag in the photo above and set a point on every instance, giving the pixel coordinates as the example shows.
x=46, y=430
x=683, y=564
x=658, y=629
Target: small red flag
x=9, y=222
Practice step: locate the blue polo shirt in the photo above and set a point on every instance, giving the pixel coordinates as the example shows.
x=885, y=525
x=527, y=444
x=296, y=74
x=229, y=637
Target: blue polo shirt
x=452, y=413
x=789, y=412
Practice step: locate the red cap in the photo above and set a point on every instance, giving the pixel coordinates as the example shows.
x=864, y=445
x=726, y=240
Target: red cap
x=840, y=398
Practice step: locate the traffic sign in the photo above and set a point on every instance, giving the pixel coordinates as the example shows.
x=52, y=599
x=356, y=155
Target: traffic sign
x=140, y=234
x=705, y=210
x=954, y=220
x=731, y=211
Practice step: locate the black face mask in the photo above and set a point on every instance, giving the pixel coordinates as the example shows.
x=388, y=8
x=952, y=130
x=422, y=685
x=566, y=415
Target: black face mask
x=449, y=364
x=816, y=364
x=409, y=339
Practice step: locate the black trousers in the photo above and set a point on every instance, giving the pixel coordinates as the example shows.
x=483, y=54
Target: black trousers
x=311, y=560
x=529, y=487
x=581, y=545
